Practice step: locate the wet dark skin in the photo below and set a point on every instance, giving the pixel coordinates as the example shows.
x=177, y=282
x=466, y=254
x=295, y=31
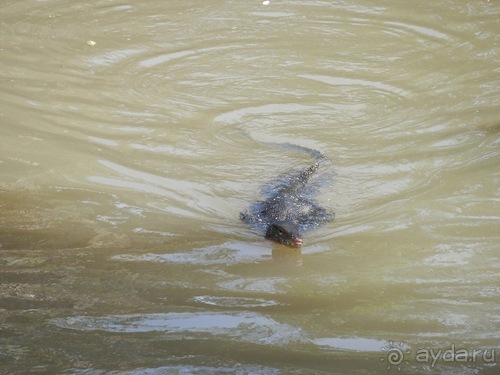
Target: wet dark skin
x=289, y=209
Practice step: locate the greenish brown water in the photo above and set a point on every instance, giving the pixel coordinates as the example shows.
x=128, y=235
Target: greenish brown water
x=133, y=135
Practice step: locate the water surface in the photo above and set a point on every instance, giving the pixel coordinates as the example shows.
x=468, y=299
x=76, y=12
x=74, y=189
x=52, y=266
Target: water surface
x=133, y=134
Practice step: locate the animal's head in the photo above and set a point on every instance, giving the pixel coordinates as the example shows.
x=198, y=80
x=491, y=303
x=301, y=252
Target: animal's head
x=284, y=234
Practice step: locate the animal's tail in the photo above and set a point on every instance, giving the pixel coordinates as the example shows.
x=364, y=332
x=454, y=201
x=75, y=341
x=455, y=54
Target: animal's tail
x=317, y=155
x=302, y=177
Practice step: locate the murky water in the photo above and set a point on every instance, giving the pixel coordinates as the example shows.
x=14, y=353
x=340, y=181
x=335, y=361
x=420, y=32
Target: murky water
x=133, y=134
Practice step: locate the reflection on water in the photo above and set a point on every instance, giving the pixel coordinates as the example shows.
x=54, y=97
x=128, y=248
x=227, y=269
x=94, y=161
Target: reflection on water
x=225, y=253
x=239, y=326
x=286, y=256
x=125, y=164
x=187, y=369
x=356, y=343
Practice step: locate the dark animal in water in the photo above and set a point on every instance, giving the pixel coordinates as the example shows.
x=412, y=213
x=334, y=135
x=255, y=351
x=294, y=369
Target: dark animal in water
x=289, y=210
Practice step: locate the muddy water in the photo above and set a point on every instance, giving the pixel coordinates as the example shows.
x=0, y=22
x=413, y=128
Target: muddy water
x=133, y=134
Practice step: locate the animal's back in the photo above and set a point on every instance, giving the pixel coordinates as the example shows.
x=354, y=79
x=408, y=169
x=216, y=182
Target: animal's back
x=290, y=205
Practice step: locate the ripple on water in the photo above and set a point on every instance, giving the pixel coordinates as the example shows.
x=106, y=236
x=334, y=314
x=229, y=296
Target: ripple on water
x=241, y=302
x=227, y=253
x=185, y=370
x=351, y=343
x=238, y=326
x=241, y=326
x=273, y=285
x=352, y=83
x=452, y=255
